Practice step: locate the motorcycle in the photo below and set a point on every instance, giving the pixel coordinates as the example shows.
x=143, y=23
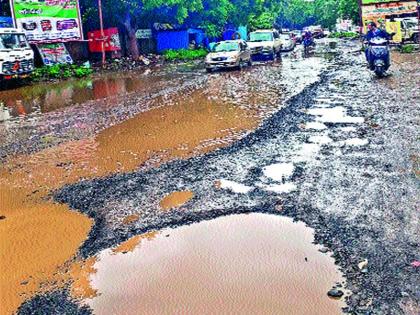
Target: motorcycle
x=379, y=56
x=308, y=42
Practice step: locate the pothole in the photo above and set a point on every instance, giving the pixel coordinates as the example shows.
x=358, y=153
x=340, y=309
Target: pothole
x=248, y=263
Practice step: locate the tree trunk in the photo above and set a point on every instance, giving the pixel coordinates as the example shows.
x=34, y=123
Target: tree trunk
x=133, y=49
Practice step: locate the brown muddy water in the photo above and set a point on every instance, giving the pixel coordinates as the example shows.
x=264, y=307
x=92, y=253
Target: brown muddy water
x=239, y=264
x=35, y=243
x=48, y=97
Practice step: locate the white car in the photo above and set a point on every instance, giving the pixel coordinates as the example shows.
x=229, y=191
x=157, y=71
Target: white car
x=287, y=42
x=228, y=54
x=266, y=43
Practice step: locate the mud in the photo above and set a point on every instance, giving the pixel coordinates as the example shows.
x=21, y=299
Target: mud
x=354, y=196
x=176, y=125
x=352, y=178
x=244, y=263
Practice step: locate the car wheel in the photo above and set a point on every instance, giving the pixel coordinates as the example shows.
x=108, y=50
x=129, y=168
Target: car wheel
x=209, y=70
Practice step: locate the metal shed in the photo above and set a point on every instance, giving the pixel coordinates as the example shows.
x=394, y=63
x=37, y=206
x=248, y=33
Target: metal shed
x=172, y=40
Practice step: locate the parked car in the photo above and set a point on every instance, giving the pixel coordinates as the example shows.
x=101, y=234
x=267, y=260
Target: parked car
x=297, y=36
x=266, y=43
x=228, y=54
x=66, y=24
x=287, y=42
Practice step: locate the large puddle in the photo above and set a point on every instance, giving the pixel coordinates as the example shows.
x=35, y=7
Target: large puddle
x=239, y=264
x=47, y=97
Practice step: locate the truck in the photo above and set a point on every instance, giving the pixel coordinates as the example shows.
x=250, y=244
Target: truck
x=16, y=55
x=410, y=30
x=266, y=43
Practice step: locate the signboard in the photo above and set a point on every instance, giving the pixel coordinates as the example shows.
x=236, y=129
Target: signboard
x=394, y=27
x=377, y=1
x=54, y=53
x=144, y=34
x=385, y=9
x=111, y=40
x=48, y=20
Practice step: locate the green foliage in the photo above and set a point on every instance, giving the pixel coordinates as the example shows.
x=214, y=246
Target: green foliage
x=350, y=35
x=59, y=71
x=407, y=49
x=264, y=21
x=184, y=54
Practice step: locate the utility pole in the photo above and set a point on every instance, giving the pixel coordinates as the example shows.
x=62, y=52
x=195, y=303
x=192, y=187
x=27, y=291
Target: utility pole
x=361, y=16
x=101, y=22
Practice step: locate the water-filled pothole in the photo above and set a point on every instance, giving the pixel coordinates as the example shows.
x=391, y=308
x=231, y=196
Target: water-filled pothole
x=239, y=264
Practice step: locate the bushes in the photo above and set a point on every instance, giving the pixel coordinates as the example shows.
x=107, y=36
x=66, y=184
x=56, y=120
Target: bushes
x=407, y=49
x=60, y=71
x=350, y=35
x=184, y=54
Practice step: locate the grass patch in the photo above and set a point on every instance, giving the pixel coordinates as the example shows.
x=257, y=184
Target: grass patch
x=60, y=71
x=184, y=54
x=350, y=35
x=407, y=49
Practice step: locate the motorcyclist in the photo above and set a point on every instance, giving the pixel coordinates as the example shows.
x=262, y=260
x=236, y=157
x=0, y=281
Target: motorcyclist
x=308, y=36
x=374, y=32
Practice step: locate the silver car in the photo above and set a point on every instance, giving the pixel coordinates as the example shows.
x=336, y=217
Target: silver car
x=287, y=41
x=229, y=54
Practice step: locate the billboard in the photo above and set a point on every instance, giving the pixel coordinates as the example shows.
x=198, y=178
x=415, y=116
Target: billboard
x=386, y=9
x=377, y=1
x=48, y=20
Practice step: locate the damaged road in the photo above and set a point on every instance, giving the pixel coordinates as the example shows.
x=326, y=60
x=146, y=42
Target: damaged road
x=341, y=155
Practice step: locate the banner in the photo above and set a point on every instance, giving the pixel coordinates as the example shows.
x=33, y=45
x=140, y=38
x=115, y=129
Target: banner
x=386, y=9
x=48, y=20
x=394, y=27
x=54, y=53
x=111, y=40
x=377, y=1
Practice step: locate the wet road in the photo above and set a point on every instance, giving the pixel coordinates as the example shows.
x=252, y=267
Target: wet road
x=304, y=138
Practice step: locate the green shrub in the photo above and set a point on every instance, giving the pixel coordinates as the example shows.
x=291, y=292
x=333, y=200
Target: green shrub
x=407, y=49
x=60, y=71
x=184, y=54
x=350, y=35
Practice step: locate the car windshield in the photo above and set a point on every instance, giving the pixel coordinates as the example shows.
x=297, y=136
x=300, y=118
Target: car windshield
x=226, y=46
x=411, y=24
x=13, y=41
x=260, y=37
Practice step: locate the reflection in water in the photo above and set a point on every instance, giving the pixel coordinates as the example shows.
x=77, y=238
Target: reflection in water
x=240, y=264
x=47, y=97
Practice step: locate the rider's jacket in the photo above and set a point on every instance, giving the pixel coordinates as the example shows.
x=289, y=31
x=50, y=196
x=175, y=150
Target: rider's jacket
x=377, y=33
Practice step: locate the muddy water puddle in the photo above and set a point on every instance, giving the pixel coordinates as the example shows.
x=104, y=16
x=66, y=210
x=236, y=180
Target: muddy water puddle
x=206, y=118
x=47, y=97
x=239, y=264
